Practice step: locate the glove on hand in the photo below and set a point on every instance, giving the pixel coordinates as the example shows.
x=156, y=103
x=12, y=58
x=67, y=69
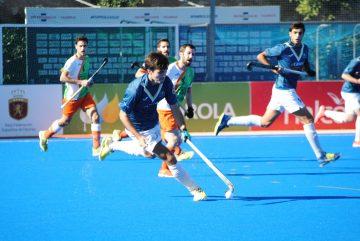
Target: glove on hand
x=190, y=112
x=311, y=73
x=185, y=135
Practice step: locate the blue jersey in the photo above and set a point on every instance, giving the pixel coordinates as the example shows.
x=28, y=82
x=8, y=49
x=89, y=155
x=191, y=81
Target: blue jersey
x=288, y=56
x=141, y=98
x=352, y=69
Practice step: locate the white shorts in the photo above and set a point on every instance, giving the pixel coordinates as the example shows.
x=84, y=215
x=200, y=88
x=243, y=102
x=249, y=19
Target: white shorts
x=352, y=102
x=285, y=100
x=152, y=136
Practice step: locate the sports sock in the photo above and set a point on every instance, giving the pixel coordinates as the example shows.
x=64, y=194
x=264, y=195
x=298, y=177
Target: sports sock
x=96, y=131
x=182, y=176
x=53, y=129
x=129, y=147
x=250, y=120
x=337, y=116
x=357, y=128
x=313, y=139
x=164, y=166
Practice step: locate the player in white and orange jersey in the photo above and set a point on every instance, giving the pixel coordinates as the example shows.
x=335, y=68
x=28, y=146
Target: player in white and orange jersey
x=182, y=77
x=75, y=74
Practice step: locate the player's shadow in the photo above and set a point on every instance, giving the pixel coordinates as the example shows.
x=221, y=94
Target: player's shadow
x=264, y=159
x=278, y=199
x=254, y=160
x=290, y=174
x=285, y=199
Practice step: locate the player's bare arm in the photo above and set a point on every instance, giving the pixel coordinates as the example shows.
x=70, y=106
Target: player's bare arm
x=348, y=77
x=65, y=78
x=189, y=97
x=263, y=59
x=140, y=72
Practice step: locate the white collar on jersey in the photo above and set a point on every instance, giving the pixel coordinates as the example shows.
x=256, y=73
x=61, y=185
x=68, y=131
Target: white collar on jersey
x=152, y=97
x=298, y=57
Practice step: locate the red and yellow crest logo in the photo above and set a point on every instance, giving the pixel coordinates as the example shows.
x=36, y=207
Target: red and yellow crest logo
x=18, y=106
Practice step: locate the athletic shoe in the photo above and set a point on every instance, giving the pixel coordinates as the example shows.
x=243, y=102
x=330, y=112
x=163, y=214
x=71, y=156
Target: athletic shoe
x=43, y=142
x=326, y=158
x=116, y=135
x=105, y=149
x=184, y=155
x=221, y=123
x=319, y=114
x=165, y=173
x=356, y=144
x=96, y=151
x=198, y=194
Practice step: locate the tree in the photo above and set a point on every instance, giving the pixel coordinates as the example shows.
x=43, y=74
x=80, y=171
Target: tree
x=120, y=3
x=325, y=10
x=14, y=56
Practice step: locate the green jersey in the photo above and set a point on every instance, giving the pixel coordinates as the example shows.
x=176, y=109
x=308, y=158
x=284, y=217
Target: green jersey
x=185, y=84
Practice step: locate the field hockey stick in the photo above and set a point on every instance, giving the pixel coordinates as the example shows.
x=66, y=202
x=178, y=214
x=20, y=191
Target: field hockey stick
x=91, y=79
x=137, y=64
x=253, y=64
x=230, y=191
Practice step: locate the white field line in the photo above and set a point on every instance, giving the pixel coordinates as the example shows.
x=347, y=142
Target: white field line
x=270, y=132
x=341, y=188
x=233, y=133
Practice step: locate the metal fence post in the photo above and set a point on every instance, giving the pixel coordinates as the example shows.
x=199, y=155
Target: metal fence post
x=317, y=48
x=210, y=67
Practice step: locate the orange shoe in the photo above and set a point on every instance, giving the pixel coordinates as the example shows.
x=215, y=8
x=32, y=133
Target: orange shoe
x=356, y=144
x=165, y=173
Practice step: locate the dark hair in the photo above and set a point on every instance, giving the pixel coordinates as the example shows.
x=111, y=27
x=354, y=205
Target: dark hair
x=81, y=38
x=297, y=25
x=156, y=61
x=184, y=46
x=162, y=40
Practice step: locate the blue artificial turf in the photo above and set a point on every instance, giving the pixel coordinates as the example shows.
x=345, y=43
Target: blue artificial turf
x=280, y=192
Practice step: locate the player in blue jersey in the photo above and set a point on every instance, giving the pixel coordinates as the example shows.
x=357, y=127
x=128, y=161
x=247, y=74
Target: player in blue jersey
x=167, y=122
x=350, y=92
x=140, y=118
x=292, y=55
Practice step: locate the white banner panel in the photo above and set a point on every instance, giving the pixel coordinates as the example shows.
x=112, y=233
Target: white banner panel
x=179, y=15
x=27, y=109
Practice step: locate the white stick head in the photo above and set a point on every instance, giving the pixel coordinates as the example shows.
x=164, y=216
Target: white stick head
x=229, y=194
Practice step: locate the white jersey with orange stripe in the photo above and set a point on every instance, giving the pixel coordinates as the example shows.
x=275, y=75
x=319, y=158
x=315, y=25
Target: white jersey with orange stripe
x=77, y=69
x=173, y=72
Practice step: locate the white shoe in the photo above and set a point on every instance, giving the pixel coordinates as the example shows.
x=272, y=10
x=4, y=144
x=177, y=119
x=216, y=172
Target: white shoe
x=356, y=144
x=184, y=155
x=105, y=149
x=116, y=135
x=165, y=173
x=96, y=151
x=199, y=194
